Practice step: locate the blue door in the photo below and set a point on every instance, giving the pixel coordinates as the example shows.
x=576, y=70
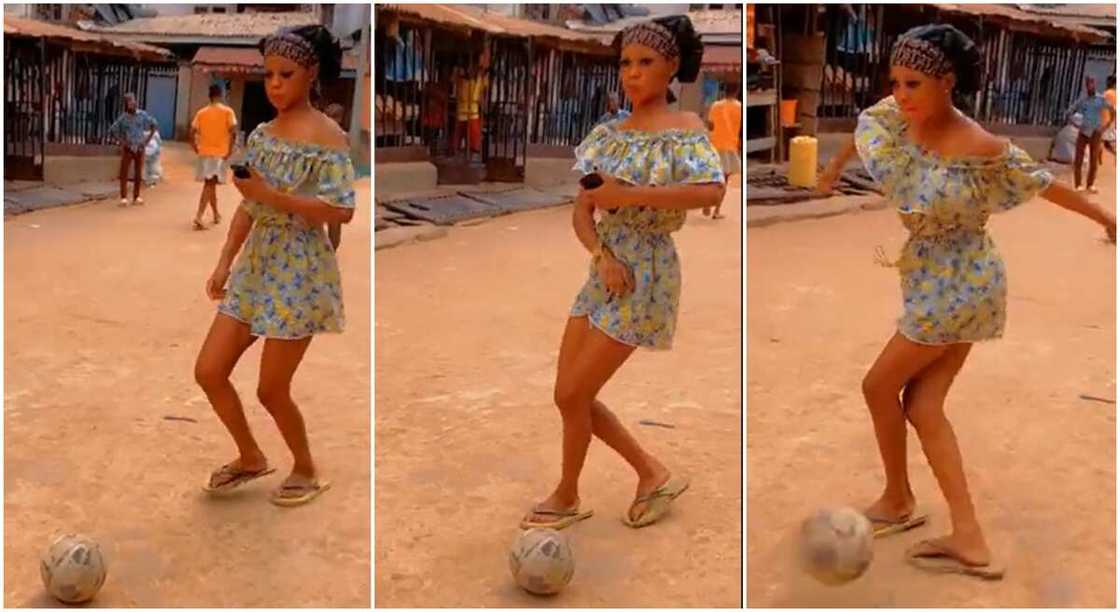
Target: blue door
x=160, y=102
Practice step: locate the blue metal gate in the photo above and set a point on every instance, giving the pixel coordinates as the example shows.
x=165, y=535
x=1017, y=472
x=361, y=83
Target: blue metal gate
x=161, y=93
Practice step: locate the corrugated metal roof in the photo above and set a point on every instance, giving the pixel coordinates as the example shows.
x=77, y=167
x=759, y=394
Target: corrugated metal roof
x=725, y=56
x=216, y=25
x=245, y=59
x=493, y=23
x=451, y=15
x=706, y=22
x=1072, y=10
x=16, y=26
x=528, y=28
x=1013, y=18
x=229, y=59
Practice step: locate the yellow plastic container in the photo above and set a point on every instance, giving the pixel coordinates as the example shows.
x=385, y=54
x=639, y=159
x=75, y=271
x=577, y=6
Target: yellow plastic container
x=803, y=161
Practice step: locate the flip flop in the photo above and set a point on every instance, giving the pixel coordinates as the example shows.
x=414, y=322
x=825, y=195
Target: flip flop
x=940, y=560
x=198, y=226
x=658, y=503
x=311, y=490
x=883, y=527
x=565, y=518
x=237, y=477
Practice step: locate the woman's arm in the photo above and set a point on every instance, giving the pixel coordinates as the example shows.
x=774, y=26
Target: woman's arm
x=312, y=209
x=334, y=232
x=674, y=197
x=1071, y=200
x=583, y=222
x=614, y=193
x=835, y=166
x=238, y=231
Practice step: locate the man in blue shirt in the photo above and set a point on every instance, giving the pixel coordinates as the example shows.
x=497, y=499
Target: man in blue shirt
x=614, y=113
x=1091, y=107
x=133, y=129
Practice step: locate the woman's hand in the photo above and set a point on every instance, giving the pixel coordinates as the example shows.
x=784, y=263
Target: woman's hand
x=611, y=194
x=826, y=182
x=616, y=276
x=216, y=284
x=254, y=188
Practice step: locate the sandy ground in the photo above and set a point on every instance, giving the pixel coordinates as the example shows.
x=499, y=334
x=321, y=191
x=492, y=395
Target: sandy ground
x=1040, y=461
x=104, y=315
x=467, y=438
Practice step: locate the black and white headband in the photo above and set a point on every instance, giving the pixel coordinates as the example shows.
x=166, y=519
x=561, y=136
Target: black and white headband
x=291, y=46
x=652, y=35
x=922, y=56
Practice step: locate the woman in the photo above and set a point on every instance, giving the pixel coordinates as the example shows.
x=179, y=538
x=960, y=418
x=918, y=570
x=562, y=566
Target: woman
x=946, y=175
x=285, y=286
x=657, y=164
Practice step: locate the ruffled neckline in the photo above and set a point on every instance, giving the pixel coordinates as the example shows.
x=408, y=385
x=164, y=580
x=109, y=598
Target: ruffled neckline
x=264, y=132
x=634, y=134
x=960, y=161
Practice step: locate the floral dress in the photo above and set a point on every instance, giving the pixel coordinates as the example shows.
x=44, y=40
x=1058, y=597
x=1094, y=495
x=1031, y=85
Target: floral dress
x=954, y=285
x=286, y=282
x=639, y=237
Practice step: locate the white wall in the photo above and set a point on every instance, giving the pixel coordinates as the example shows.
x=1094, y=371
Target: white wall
x=349, y=18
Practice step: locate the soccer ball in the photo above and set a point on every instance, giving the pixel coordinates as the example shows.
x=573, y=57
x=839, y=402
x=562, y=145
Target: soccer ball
x=836, y=545
x=541, y=561
x=73, y=568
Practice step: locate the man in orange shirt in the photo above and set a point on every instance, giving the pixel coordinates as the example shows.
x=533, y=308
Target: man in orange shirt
x=213, y=132
x=725, y=120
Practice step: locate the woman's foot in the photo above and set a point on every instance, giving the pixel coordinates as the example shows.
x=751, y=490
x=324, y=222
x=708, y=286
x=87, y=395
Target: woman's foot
x=657, y=477
x=298, y=489
x=891, y=508
x=238, y=472
x=217, y=219
x=970, y=550
x=553, y=507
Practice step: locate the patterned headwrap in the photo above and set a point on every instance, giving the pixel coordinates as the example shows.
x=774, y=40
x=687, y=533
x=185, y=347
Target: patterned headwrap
x=291, y=46
x=921, y=55
x=652, y=35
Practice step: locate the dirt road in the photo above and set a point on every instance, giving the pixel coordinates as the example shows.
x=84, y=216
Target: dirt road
x=104, y=314
x=1040, y=461
x=467, y=438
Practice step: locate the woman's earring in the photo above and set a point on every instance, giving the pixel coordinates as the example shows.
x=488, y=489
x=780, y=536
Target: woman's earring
x=318, y=90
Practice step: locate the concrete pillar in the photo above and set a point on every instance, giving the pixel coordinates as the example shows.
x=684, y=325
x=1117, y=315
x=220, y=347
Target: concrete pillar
x=235, y=97
x=802, y=73
x=183, y=103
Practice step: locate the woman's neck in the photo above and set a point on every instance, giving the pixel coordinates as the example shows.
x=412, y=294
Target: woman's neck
x=295, y=111
x=940, y=118
x=652, y=107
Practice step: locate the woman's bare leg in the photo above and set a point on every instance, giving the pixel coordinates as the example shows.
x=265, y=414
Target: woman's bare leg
x=900, y=360
x=279, y=362
x=925, y=408
x=604, y=424
x=224, y=345
x=587, y=361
